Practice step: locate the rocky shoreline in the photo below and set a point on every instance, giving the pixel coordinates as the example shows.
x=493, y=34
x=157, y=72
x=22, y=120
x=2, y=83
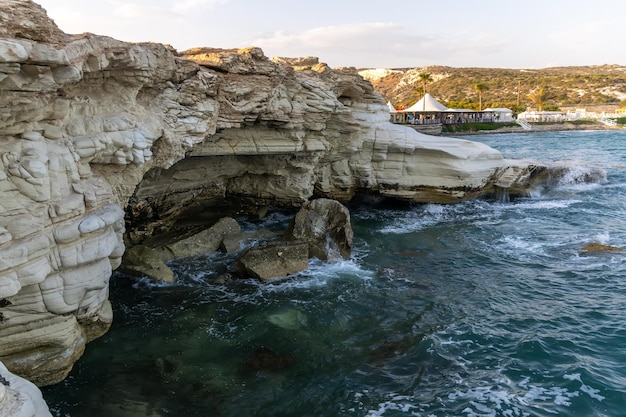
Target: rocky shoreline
x=109, y=146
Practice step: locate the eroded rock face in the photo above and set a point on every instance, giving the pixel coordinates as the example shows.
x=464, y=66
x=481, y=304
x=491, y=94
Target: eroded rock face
x=92, y=128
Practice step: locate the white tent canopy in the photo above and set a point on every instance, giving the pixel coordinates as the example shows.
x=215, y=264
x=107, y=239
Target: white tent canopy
x=427, y=104
x=391, y=108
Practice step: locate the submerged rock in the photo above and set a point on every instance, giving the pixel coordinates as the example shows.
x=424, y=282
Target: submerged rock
x=265, y=359
x=290, y=319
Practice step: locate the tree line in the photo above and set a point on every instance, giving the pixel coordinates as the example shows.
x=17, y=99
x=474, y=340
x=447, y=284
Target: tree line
x=475, y=88
x=540, y=96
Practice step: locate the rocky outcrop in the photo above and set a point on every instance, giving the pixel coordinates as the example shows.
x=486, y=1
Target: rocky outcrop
x=274, y=260
x=206, y=241
x=144, y=261
x=320, y=229
x=149, y=259
x=105, y=141
x=599, y=247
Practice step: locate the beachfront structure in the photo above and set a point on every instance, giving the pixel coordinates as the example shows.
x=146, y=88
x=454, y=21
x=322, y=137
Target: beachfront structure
x=570, y=115
x=542, y=116
x=583, y=114
x=427, y=103
x=502, y=114
x=429, y=111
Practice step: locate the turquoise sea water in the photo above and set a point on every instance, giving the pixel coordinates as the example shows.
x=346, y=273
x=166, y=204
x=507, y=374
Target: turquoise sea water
x=484, y=308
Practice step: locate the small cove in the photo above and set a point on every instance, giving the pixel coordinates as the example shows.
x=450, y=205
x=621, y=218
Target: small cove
x=482, y=308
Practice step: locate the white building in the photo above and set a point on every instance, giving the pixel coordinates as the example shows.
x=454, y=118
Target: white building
x=542, y=116
x=501, y=114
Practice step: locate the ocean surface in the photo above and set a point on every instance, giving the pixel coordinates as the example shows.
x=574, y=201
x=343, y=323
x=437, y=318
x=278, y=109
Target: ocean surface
x=484, y=308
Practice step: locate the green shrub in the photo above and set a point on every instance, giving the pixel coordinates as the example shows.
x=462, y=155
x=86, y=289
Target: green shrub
x=582, y=122
x=475, y=127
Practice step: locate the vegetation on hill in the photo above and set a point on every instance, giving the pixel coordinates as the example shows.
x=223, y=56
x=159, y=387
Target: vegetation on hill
x=516, y=89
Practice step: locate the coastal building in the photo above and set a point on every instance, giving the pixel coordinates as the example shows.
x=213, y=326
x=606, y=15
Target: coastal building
x=501, y=114
x=542, y=116
x=428, y=111
x=569, y=115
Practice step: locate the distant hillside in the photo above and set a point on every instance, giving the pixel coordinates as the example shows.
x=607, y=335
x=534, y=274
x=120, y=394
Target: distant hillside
x=588, y=86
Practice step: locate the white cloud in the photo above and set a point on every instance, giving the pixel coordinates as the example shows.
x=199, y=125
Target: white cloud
x=136, y=11
x=582, y=35
x=162, y=9
x=365, y=44
x=190, y=5
x=483, y=37
x=348, y=36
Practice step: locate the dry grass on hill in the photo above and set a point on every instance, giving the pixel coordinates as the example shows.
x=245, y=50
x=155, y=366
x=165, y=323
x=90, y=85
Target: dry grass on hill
x=586, y=86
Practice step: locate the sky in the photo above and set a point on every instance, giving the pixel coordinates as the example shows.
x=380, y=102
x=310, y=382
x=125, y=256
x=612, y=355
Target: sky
x=369, y=34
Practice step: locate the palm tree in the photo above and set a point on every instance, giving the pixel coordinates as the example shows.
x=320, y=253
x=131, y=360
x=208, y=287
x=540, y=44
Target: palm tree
x=418, y=91
x=540, y=97
x=481, y=88
x=424, y=78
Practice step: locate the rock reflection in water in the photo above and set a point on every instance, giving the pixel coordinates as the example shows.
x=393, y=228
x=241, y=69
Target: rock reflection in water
x=153, y=389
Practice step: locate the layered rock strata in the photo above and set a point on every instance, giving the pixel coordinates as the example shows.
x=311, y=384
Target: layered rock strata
x=102, y=138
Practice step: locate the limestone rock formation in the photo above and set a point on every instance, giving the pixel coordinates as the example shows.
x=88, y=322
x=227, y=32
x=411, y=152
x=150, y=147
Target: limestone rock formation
x=104, y=141
x=205, y=241
x=144, y=261
x=274, y=260
x=148, y=260
x=19, y=397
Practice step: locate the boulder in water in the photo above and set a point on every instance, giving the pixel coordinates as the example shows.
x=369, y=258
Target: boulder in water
x=141, y=260
x=599, y=247
x=276, y=260
x=206, y=241
x=234, y=242
x=325, y=225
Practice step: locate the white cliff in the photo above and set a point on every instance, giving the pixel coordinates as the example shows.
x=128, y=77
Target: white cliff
x=19, y=397
x=100, y=138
